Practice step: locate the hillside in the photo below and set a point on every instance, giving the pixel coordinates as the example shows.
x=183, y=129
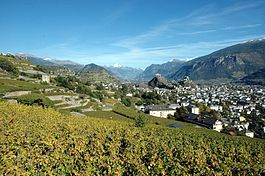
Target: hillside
x=36, y=141
x=233, y=62
x=96, y=73
x=160, y=82
x=126, y=73
x=255, y=78
x=165, y=69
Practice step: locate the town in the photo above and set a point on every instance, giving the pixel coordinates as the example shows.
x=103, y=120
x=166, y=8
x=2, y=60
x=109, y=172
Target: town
x=222, y=107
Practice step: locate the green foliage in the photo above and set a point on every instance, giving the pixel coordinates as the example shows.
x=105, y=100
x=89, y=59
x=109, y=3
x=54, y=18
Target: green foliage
x=151, y=98
x=181, y=113
x=35, y=99
x=139, y=102
x=66, y=82
x=140, y=121
x=126, y=101
x=41, y=68
x=9, y=85
x=36, y=141
x=83, y=89
x=8, y=66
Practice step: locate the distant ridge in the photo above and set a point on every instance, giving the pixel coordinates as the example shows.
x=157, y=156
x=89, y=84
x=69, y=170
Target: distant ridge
x=95, y=73
x=165, y=69
x=126, y=73
x=234, y=62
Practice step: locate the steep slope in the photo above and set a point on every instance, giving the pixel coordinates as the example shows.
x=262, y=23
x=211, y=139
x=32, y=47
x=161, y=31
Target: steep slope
x=255, y=78
x=96, y=73
x=233, y=62
x=160, y=82
x=166, y=69
x=37, y=141
x=127, y=73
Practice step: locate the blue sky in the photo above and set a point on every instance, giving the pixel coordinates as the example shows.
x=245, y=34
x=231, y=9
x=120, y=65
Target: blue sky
x=134, y=33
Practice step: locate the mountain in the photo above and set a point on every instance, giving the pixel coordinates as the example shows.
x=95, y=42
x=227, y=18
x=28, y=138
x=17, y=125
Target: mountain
x=234, y=62
x=47, y=62
x=40, y=61
x=126, y=73
x=160, y=82
x=93, y=68
x=166, y=69
x=95, y=73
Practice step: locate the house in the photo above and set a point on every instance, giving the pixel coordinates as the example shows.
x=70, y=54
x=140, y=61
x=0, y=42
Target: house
x=45, y=78
x=195, y=110
x=213, y=124
x=249, y=133
x=160, y=111
x=216, y=108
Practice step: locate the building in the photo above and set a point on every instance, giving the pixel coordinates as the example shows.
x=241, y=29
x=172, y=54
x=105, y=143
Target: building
x=45, y=78
x=213, y=124
x=249, y=134
x=195, y=110
x=160, y=111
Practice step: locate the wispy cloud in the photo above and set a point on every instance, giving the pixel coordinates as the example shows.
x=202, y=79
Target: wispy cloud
x=196, y=18
x=197, y=32
x=142, y=56
x=245, y=5
x=117, y=13
x=242, y=27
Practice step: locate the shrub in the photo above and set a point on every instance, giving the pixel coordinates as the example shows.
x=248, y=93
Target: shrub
x=8, y=66
x=140, y=121
x=126, y=101
x=35, y=99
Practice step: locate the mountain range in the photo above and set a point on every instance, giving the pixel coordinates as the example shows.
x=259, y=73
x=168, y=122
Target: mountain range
x=234, y=63
x=123, y=72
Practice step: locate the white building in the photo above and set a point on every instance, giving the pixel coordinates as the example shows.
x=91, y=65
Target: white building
x=45, y=78
x=249, y=134
x=218, y=126
x=195, y=110
x=160, y=111
x=216, y=108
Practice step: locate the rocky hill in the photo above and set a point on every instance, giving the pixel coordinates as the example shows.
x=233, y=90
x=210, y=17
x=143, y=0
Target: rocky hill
x=160, y=82
x=96, y=73
x=166, y=69
x=233, y=62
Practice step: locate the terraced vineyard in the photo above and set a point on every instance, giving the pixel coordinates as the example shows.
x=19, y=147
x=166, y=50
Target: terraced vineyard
x=42, y=141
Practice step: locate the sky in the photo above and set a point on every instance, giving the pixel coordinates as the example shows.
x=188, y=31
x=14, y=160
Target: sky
x=133, y=33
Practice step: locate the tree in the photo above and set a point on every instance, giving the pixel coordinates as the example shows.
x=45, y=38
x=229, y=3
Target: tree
x=140, y=121
x=35, y=99
x=8, y=66
x=181, y=113
x=126, y=101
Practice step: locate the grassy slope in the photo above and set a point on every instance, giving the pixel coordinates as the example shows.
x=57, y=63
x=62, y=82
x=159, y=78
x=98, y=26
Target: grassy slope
x=35, y=140
x=8, y=85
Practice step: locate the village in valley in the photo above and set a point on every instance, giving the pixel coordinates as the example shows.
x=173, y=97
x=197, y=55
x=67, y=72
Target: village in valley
x=234, y=109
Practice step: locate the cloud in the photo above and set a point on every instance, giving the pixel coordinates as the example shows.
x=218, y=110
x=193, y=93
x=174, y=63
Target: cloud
x=241, y=6
x=242, y=27
x=143, y=57
x=197, y=32
x=117, y=13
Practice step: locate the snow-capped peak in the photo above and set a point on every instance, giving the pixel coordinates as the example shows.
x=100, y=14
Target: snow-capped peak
x=117, y=65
